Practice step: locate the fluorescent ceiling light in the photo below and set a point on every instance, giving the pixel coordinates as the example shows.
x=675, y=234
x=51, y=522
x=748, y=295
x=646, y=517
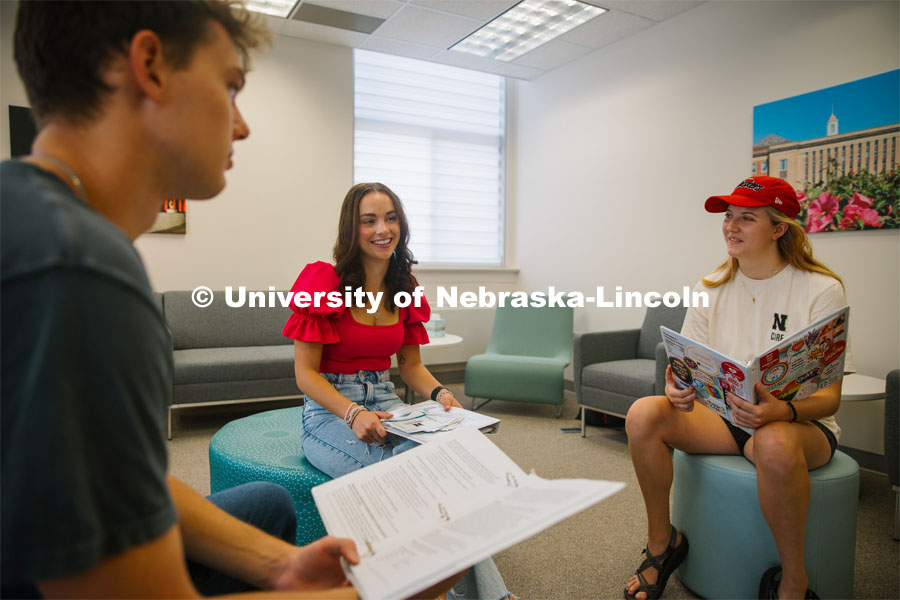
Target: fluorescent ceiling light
x=524, y=27
x=276, y=8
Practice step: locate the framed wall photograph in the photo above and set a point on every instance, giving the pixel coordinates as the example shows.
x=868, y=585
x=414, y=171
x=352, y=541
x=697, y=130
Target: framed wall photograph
x=172, y=217
x=838, y=147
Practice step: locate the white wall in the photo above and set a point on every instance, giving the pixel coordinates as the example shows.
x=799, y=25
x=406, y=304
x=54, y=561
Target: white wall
x=617, y=151
x=279, y=209
x=11, y=89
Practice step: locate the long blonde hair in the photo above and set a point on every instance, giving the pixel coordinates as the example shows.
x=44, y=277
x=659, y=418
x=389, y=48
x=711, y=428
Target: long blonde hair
x=793, y=246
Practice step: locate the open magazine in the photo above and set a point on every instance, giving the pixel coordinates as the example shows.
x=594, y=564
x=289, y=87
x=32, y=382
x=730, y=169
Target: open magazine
x=428, y=421
x=793, y=369
x=441, y=507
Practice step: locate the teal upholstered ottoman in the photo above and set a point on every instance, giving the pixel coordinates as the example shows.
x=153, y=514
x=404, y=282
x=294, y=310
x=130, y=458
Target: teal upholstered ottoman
x=266, y=447
x=714, y=502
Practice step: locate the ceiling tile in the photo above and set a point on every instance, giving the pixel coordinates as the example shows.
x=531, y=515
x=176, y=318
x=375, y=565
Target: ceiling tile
x=551, y=55
x=480, y=9
x=517, y=71
x=606, y=29
x=273, y=23
x=478, y=63
x=427, y=27
x=321, y=33
x=388, y=46
x=658, y=10
x=373, y=8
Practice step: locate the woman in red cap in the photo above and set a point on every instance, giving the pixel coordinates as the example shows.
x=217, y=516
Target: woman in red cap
x=769, y=271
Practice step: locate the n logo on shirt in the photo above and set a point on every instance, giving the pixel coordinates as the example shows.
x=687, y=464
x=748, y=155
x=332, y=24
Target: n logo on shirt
x=780, y=322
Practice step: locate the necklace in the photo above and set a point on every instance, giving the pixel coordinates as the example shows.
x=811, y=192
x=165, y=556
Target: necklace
x=75, y=180
x=768, y=280
x=375, y=315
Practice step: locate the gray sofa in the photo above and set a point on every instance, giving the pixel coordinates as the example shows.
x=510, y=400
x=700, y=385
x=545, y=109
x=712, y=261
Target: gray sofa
x=612, y=369
x=226, y=355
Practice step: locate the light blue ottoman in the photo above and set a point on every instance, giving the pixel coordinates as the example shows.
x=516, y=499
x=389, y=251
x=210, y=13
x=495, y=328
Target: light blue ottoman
x=714, y=502
x=266, y=447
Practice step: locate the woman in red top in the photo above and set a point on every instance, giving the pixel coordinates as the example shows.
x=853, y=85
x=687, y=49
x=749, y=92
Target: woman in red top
x=342, y=355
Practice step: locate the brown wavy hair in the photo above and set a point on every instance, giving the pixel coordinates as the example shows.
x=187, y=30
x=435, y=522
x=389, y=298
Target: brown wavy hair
x=62, y=49
x=347, y=263
x=793, y=246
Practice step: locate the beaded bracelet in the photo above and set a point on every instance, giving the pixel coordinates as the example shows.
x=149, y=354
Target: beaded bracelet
x=351, y=414
x=436, y=391
x=352, y=407
x=793, y=410
x=354, y=415
x=443, y=392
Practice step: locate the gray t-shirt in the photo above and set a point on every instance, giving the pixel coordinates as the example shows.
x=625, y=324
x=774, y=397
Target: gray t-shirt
x=86, y=382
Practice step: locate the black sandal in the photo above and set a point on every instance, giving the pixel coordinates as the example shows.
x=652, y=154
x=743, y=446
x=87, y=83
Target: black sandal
x=768, y=586
x=664, y=564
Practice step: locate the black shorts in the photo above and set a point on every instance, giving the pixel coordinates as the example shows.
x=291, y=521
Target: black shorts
x=741, y=437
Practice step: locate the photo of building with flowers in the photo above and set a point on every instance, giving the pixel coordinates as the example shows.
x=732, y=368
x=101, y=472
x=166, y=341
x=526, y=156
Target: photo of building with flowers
x=838, y=148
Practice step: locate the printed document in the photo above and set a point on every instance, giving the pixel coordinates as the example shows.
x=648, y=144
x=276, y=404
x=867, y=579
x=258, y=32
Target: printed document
x=433, y=511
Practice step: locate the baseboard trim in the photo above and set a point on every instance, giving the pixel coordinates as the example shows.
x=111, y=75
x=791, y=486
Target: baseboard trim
x=445, y=373
x=867, y=460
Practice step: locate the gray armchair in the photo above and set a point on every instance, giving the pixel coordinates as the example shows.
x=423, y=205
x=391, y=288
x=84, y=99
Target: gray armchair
x=615, y=368
x=892, y=440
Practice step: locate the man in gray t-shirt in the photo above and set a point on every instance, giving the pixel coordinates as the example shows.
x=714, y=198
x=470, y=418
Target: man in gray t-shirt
x=84, y=459
x=135, y=103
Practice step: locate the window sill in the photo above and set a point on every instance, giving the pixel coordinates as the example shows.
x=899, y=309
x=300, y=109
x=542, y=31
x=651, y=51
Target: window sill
x=465, y=269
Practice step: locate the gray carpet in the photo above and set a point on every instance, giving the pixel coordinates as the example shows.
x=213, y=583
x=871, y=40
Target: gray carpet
x=592, y=554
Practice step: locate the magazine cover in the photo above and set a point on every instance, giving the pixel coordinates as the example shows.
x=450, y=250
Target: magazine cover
x=811, y=359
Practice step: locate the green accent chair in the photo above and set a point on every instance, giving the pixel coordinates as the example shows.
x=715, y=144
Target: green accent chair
x=527, y=353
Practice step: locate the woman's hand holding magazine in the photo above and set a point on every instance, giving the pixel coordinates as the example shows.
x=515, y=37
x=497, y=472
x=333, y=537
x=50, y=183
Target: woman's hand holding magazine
x=755, y=416
x=682, y=399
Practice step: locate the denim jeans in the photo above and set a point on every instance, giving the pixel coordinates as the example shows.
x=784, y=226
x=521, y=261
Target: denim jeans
x=330, y=445
x=266, y=506
x=332, y=448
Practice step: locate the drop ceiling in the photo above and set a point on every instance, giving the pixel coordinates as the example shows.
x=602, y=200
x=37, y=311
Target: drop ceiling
x=425, y=29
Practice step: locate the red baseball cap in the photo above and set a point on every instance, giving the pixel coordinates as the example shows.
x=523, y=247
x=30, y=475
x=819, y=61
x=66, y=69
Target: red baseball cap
x=759, y=191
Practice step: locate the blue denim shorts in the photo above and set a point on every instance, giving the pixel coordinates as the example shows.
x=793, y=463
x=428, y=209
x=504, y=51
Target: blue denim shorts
x=330, y=445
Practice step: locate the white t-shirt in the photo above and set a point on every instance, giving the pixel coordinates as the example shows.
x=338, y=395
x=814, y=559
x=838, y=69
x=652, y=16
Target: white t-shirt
x=737, y=326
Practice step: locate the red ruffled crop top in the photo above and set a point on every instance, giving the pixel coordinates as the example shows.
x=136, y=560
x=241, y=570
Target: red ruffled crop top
x=350, y=346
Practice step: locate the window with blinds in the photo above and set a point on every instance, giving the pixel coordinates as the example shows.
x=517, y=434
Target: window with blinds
x=436, y=135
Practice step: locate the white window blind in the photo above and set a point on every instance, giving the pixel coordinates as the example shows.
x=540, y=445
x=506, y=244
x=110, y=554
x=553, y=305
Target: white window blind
x=435, y=135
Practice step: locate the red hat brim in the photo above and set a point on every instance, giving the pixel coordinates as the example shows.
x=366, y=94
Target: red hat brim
x=718, y=204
